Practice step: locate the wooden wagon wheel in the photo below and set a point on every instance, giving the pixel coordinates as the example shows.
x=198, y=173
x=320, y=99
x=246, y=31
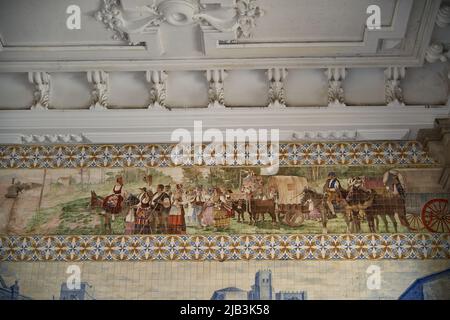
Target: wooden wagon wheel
x=436, y=215
x=294, y=218
x=415, y=221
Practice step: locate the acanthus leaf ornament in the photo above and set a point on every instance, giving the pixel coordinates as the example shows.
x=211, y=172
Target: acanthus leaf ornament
x=122, y=23
x=393, y=90
x=99, y=94
x=336, y=97
x=276, y=77
x=216, y=92
x=41, y=82
x=240, y=19
x=248, y=12
x=158, y=87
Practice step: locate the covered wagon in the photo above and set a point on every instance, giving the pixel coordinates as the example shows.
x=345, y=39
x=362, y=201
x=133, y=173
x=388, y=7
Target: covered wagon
x=287, y=189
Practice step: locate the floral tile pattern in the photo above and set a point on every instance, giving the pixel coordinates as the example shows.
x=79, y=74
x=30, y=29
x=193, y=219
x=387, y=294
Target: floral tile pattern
x=170, y=155
x=225, y=247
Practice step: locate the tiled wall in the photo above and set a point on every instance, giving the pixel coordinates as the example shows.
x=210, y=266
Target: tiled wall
x=194, y=266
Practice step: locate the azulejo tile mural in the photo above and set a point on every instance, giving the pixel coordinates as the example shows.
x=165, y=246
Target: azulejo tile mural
x=225, y=248
x=327, y=201
x=241, y=280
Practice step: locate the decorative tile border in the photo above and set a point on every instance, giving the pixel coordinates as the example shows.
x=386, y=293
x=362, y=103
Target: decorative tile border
x=225, y=248
x=398, y=153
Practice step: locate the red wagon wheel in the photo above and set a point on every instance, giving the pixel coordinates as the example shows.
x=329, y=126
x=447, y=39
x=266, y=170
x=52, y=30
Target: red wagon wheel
x=436, y=215
x=415, y=221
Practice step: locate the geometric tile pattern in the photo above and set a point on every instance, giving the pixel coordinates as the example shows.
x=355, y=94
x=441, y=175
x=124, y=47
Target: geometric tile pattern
x=396, y=153
x=225, y=247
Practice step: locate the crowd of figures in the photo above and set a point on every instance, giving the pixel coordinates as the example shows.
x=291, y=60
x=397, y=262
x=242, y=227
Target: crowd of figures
x=168, y=210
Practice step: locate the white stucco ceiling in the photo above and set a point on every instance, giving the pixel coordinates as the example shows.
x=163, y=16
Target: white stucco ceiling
x=301, y=39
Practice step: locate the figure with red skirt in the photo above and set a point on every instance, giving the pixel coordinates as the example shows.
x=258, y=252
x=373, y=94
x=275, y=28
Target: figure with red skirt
x=112, y=204
x=176, y=221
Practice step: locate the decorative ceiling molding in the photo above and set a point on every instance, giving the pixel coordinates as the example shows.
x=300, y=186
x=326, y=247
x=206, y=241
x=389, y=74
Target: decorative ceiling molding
x=144, y=126
x=436, y=52
x=402, y=41
x=133, y=25
x=100, y=83
x=157, y=80
x=336, y=77
x=443, y=16
x=327, y=135
x=216, y=92
x=41, y=82
x=115, y=18
x=53, y=138
x=276, y=77
x=393, y=90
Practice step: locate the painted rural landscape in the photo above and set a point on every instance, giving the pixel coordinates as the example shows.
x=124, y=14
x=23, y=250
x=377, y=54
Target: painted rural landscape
x=220, y=200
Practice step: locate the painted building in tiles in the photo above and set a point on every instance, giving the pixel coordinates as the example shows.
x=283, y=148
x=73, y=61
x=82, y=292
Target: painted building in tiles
x=262, y=289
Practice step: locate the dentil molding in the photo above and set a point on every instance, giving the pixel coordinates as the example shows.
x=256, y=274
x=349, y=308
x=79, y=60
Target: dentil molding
x=53, y=138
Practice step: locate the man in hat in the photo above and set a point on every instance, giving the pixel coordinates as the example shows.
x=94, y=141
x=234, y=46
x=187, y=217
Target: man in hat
x=161, y=204
x=143, y=193
x=332, y=189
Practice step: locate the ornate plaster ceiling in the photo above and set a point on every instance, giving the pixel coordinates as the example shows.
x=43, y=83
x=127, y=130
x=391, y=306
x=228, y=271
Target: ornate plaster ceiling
x=309, y=67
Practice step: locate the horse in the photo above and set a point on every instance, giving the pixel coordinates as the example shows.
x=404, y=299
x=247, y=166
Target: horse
x=260, y=207
x=356, y=202
x=96, y=202
x=256, y=208
x=319, y=202
x=387, y=206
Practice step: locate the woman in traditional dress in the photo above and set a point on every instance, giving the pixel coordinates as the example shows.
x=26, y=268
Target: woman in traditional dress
x=143, y=218
x=314, y=213
x=207, y=215
x=112, y=204
x=176, y=221
x=188, y=207
x=220, y=212
x=228, y=205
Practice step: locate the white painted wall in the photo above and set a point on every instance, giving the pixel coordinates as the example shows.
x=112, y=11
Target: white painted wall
x=364, y=87
x=427, y=85
x=70, y=91
x=246, y=88
x=15, y=91
x=306, y=87
x=187, y=89
x=128, y=90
